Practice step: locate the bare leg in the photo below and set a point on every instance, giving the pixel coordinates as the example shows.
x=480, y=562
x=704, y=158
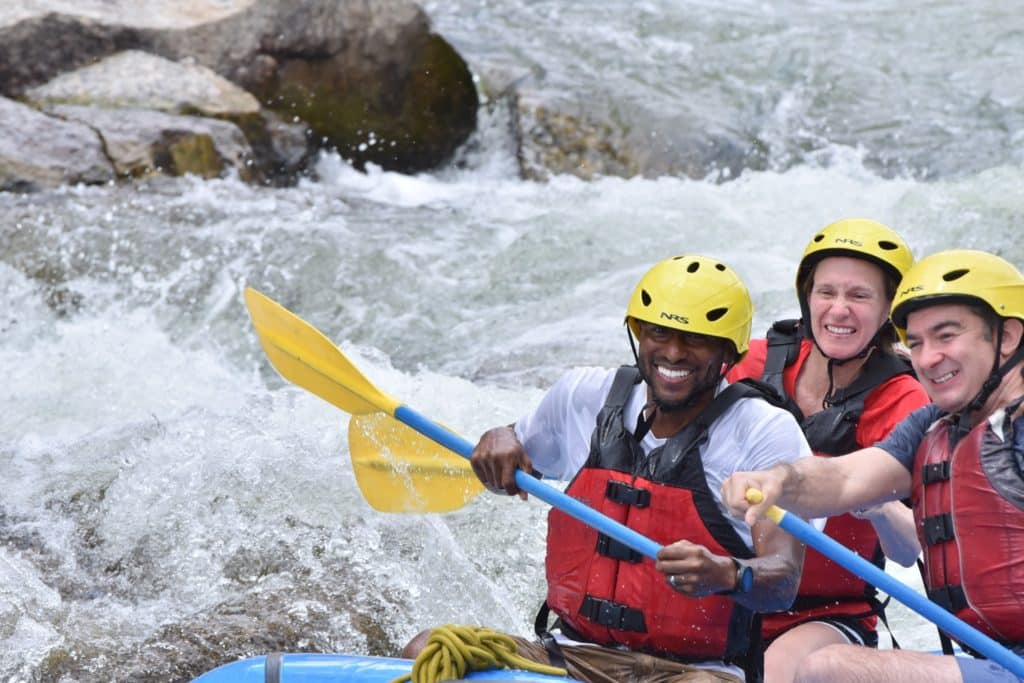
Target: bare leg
x=416, y=645
x=784, y=655
x=855, y=664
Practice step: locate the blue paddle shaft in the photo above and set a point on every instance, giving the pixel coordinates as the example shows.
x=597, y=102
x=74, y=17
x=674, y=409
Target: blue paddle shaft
x=952, y=625
x=548, y=494
x=794, y=525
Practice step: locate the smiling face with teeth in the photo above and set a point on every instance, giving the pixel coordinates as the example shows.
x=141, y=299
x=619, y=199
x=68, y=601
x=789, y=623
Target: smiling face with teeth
x=953, y=350
x=847, y=303
x=682, y=370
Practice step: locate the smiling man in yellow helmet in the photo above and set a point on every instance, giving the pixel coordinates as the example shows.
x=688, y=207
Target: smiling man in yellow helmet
x=961, y=461
x=649, y=445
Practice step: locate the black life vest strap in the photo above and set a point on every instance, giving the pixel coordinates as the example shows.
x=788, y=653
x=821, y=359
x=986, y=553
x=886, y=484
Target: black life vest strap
x=613, y=614
x=880, y=611
x=715, y=520
x=626, y=377
x=783, y=342
x=540, y=627
x=783, y=348
x=643, y=424
x=944, y=640
x=952, y=599
x=878, y=368
x=745, y=643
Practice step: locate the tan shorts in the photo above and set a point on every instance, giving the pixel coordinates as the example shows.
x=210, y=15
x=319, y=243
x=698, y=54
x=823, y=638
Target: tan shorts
x=607, y=665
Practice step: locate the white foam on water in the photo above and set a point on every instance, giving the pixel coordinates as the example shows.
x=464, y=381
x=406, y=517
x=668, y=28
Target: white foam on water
x=165, y=476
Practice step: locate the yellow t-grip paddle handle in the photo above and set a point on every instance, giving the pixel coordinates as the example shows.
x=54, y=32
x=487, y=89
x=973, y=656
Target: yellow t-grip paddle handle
x=774, y=513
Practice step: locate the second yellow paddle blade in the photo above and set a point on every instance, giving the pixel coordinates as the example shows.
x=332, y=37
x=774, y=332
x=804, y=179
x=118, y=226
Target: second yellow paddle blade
x=400, y=470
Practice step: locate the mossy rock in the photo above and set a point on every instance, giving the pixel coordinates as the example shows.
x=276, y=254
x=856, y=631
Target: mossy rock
x=408, y=120
x=196, y=154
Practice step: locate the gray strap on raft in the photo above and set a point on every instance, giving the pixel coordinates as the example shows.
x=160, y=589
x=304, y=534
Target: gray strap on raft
x=272, y=668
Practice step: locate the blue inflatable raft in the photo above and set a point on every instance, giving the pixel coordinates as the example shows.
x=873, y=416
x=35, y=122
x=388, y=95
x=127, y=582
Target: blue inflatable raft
x=330, y=668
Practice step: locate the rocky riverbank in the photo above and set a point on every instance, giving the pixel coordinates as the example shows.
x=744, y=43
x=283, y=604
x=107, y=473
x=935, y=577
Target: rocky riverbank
x=95, y=92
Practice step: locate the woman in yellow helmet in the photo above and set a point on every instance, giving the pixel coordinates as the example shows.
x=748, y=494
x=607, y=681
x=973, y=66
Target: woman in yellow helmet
x=846, y=386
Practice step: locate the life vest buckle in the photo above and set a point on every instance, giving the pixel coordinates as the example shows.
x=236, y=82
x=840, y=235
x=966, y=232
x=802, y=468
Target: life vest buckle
x=623, y=493
x=938, y=528
x=613, y=614
x=609, y=547
x=939, y=471
x=950, y=598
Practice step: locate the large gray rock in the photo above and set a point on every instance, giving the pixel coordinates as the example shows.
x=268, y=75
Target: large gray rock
x=275, y=151
x=38, y=151
x=588, y=129
x=367, y=76
x=142, y=142
x=135, y=79
x=555, y=136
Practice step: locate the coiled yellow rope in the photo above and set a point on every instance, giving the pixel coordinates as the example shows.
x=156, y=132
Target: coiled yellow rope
x=452, y=651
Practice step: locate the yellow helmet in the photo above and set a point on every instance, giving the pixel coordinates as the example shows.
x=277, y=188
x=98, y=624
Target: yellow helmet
x=694, y=294
x=960, y=276
x=857, y=238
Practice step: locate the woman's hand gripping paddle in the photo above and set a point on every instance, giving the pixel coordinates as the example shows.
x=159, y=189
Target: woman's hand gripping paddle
x=304, y=356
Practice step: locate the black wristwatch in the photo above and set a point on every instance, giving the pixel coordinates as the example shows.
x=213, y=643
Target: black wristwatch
x=744, y=578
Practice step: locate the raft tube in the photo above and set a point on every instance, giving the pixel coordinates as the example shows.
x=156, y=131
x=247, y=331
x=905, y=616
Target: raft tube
x=331, y=668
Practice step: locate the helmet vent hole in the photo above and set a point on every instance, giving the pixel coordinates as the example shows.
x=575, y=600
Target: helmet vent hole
x=888, y=246
x=955, y=274
x=716, y=313
x=819, y=237
x=693, y=267
x=645, y=297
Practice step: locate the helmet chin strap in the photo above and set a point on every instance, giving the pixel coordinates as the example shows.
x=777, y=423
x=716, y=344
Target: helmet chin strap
x=996, y=376
x=645, y=420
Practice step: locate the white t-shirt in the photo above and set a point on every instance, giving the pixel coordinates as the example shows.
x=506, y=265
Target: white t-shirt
x=750, y=435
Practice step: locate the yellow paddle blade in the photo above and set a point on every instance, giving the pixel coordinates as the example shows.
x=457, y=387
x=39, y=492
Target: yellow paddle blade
x=304, y=356
x=399, y=470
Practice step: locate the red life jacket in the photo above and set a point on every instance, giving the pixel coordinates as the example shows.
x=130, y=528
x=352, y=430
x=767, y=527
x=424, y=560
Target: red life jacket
x=826, y=588
x=606, y=593
x=969, y=509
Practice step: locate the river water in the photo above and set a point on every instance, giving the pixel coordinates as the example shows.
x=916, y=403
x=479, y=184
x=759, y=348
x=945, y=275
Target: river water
x=170, y=504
